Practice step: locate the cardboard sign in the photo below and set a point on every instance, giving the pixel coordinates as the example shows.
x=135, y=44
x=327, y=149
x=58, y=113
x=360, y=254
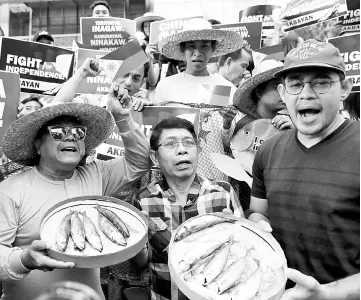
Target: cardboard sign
x=149, y=117
x=92, y=85
x=349, y=47
x=261, y=13
x=107, y=34
x=351, y=21
x=9, y=100
x=41, y=67
x=250, y=32
x=161, y=29
x=303, y=13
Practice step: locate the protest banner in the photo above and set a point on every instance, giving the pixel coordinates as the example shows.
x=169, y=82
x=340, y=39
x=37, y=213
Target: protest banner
x=349, y=47
x=107, y=33
x=41, y=67
x=91, y=85
x=161, y=29
x=149, y=117
x=213, y=94
x=9, y=100
x=250, y=32
x=351, y=21
x=261, y=13
x=303, y=13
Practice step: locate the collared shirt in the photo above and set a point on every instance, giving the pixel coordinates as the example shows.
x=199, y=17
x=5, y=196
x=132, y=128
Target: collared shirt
x=165, y=216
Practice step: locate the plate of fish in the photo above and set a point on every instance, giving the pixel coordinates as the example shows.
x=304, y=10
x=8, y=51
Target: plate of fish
x=223, y=257
x=94, y=231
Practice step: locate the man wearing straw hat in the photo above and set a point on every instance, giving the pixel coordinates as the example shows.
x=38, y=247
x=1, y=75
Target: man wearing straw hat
x=196, y=45
x=55, y=140
x=306, y=181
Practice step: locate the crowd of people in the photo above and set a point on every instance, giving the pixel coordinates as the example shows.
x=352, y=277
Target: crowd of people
x=306, y=179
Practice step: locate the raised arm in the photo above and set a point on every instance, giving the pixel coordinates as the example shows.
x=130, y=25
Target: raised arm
x=68, y=90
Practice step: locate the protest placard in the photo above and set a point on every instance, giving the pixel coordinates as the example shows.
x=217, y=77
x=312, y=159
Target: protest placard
x=161, y=29
x=213, y=94
x=303, y=13
x=41, y=67
x=250, y=32
x=351, y=21
x=106, y=33
x=261, y=13
x=91, y=85
x=349, y=47
x=9, y=100
x=149, y=117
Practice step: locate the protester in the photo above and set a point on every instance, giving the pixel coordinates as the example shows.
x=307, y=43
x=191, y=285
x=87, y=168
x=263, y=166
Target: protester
x=351, y=107
x=305, y=185
x=143, y=25
x=54, y=140
x=44, y=37
x=233, y=66
x=258, y=97
x=196, y=45
x=31, y=104
x=100, y=8
x=181, y=194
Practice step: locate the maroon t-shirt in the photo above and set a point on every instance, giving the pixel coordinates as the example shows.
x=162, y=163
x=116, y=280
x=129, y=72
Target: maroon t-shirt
x=314, y=200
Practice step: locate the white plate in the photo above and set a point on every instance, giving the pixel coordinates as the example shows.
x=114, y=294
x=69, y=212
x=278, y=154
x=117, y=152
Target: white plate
x=112, y=253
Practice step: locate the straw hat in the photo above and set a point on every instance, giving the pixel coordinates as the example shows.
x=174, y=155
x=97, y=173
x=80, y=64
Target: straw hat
x=147, y=17
x=242, y=98
x=200, y=29
x=18, y=142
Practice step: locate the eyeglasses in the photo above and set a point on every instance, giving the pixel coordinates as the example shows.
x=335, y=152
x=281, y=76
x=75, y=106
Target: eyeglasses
x=59, y=132
x=172, y=144
x=319, y=86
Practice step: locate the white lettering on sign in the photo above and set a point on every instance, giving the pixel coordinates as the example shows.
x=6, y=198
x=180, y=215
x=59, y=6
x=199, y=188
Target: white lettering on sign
x=2, y=107
x=2, y=90
x=351, y=56
x=147, y=129
x=23, y=61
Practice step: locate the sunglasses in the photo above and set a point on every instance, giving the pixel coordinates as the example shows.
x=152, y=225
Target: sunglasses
x=59, y=132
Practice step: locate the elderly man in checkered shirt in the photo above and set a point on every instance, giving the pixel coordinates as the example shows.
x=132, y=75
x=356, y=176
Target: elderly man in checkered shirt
x=181, y=194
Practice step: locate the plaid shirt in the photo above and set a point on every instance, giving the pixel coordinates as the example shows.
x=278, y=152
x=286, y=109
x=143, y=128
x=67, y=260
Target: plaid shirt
x=166, y=214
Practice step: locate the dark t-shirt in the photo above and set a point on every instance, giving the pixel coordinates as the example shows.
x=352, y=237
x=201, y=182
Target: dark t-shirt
x=313, y=197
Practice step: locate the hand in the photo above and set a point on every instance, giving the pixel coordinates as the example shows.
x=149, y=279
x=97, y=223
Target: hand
x=91, y=67
x=139, y=103
x=22, y=111
x=150, y=50
x=306, y=287
x=282, y=122
x=35, y=257
x=264, y=225
x=143, y=93
x=227, y=211
x=228, y=113
x=119, y=102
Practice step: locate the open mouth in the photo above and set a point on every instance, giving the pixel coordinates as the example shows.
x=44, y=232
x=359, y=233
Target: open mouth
x=197, y=61
x=69, y=149
x=183, y=163
x=309, y=113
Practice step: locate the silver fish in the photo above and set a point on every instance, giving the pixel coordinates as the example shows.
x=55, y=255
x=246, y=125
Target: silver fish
x=63, y=234
x=91, y=233
x=77, y=231
x=110, y=231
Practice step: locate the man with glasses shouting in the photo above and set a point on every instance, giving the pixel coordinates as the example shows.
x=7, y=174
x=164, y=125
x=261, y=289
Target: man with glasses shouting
x=179, y=196
x=55, y=140
x=307, y=180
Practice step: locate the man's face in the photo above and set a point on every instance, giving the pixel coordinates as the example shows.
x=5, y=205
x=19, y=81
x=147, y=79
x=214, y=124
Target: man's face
x=236, y=68
x=45, y=40
x=100, y=11
x=132, y=81
x=31, y=106
x=179, y=162
x=270, y=98
x=314, y=114
x=61, y=155
x=146, y=28
x=197, y=54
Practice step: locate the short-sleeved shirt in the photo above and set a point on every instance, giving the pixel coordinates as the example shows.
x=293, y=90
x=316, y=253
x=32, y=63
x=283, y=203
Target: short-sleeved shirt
x=313, y=197
x=166, y=214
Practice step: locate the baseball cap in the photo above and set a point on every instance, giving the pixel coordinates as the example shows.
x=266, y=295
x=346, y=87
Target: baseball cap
x=43, y=33
x=313, y=53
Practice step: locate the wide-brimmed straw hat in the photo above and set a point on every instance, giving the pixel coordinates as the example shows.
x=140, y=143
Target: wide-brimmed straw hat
x=200, y=29
x=242, y=98
x=147, y=17
x=18, y=142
